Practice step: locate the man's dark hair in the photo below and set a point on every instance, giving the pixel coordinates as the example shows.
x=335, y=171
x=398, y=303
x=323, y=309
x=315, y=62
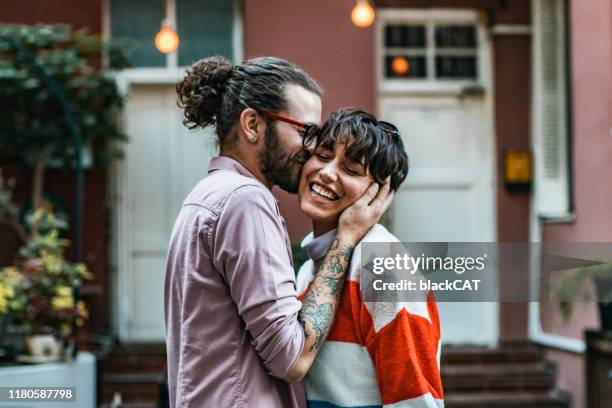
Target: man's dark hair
x=375, y=143
x=214, y=91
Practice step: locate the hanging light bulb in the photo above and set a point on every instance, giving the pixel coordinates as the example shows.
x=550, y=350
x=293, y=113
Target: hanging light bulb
x=363, y=14
x=400, y=65
x=166, y=40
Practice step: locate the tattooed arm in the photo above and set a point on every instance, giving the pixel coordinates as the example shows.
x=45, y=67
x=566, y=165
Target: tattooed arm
x=319, y=304
x=322, y=298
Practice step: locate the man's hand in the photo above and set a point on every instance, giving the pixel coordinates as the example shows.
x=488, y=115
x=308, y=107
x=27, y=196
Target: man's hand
x=357, y=219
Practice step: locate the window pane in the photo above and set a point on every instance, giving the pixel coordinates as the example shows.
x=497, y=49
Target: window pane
x=551, y=108
x=456, y=67
x=401, y=66
x=456, y=36
x=411, y=36
x=139, y=20
x=205, y=28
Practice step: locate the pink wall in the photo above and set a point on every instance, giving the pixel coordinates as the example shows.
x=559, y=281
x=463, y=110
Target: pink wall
x=321, y=39
x=591, y=59
x=571, y=375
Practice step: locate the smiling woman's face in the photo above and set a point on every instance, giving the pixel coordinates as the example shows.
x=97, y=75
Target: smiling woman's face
x=330, y=183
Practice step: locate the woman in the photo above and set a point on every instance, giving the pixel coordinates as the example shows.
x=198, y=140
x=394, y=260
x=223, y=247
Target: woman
x=375, y=354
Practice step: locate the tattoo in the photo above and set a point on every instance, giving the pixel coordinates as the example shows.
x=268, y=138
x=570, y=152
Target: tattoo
x=320, y=317
x=302, y=320
x=334, y=244
x=332, y=284
x=319, y=304
x=335, y=266
x=347, y=252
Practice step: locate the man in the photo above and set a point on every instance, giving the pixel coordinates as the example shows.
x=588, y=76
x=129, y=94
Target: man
x=236, y=333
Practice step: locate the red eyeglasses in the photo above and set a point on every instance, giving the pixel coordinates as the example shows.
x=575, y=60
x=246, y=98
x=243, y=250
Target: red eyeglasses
x=311, y=130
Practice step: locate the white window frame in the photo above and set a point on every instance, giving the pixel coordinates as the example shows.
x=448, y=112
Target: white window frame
x=148, y=73
x=551, y=194
x=430, y=18
x=542, y=209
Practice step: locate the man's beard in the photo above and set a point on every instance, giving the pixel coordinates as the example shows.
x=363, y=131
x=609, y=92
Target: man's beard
x=277, y=165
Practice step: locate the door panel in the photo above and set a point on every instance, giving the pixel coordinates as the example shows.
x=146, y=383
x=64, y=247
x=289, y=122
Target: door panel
x=448, y=194
x=164, y=161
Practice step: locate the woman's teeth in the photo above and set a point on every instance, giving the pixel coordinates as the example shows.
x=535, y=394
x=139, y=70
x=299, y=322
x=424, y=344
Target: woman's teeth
x=323, y=192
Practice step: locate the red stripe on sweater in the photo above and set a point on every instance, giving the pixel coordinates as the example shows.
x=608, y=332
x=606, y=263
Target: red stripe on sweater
x=353, y=323
x=404, y=351
x=404, y=354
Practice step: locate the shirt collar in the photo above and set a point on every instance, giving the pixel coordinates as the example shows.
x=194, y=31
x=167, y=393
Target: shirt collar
x=317, y=247
x=227, y=163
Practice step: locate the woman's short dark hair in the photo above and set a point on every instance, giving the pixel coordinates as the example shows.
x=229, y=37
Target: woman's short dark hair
x=214, y=91
x=375, y=143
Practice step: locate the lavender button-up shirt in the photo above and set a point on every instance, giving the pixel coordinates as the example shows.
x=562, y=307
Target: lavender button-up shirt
x=230, y=301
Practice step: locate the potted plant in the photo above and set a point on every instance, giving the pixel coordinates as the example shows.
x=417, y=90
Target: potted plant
x=33, y=126
x=9, y=280
x=573, y=287
x=42, y=286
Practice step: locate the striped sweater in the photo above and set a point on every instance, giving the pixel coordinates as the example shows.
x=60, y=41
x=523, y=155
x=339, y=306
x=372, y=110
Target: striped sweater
x=377, y=354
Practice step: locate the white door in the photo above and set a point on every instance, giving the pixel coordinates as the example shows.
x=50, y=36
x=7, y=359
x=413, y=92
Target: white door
x=444, y=115
x=163, y=162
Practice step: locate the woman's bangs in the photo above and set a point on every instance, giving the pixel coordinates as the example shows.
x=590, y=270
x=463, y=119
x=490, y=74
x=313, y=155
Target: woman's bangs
x=363, y=144
x=359, y=140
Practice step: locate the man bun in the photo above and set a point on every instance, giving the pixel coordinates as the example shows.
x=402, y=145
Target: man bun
x=214, y=92
x=200, y=92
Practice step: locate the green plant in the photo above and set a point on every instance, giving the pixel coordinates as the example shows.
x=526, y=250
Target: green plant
x=573, y=286
x=32, y=121
x=9, y=212
x=38, y=291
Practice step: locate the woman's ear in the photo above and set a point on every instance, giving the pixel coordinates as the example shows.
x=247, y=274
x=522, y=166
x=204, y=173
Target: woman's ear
x=251, y=125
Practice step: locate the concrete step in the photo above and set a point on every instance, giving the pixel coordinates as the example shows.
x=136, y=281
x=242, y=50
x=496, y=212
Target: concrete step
x=132, y=378
x=497, y=376
x=136, y=358
x=512, y=353
x=132, y=405
x=136, y=372
x=549, y=399
x=134, y=388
